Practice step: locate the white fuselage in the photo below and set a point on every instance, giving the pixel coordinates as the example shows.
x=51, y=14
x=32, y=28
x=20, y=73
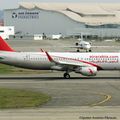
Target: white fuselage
x=39, y=60
x=84, y=45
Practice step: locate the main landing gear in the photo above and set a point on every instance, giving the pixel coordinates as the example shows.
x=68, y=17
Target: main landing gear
x=78, y=50
x=90, y=50
x=66, y=75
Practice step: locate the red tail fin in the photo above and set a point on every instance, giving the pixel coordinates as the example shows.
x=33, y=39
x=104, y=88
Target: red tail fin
x=4, y=45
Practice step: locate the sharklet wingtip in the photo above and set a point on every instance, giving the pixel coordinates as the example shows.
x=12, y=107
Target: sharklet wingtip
x=49, y=57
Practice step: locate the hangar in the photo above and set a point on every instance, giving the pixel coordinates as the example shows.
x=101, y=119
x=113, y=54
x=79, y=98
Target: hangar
x=102, y=20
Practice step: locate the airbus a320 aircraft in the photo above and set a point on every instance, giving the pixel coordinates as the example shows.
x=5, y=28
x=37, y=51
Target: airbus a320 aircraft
x=87, y=64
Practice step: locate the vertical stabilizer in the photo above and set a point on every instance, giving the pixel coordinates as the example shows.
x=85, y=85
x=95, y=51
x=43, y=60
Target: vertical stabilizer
x=4, y=45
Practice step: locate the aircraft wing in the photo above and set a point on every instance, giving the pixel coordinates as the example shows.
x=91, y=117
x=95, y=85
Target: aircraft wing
x=75, y=47
x=93, y=46
x=104, y=46
x=71, y=63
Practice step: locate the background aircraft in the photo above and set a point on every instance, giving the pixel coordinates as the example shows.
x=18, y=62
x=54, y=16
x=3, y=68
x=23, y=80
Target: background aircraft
x=87, y=46
x=83, y=45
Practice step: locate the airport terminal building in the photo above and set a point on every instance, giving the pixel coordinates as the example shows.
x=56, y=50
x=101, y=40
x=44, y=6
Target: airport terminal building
x=102, y=20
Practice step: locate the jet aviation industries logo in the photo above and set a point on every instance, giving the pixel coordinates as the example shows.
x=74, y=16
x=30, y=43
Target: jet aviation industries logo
x=26, y=15
x=14, y=15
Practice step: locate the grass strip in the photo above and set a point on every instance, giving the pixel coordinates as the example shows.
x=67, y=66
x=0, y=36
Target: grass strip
x=7, y=69
x=14, y=98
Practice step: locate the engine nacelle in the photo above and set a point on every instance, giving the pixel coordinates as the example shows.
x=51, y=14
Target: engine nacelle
x=87, y=71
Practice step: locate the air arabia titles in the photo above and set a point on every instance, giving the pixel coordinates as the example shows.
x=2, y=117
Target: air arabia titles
x=104, y=59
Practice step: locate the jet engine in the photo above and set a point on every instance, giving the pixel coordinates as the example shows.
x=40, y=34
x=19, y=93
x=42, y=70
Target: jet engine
x=87, y=71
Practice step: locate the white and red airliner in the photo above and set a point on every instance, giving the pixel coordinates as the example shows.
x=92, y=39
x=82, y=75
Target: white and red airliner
x=87, y=64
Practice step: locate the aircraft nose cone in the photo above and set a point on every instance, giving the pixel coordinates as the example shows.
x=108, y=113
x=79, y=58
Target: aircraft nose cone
x=88, y=46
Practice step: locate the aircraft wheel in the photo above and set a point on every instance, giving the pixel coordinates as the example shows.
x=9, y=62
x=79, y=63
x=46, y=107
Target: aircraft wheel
x=90, y=50
x=66, y=75
x=78, y=51
x=76, y=44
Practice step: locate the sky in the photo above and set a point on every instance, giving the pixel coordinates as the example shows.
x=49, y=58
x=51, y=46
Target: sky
x=7, y=4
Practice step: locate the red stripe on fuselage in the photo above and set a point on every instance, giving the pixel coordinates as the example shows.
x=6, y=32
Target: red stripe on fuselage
x=89, y=63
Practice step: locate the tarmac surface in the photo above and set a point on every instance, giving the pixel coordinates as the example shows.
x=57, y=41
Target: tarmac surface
x=73, y=99
x=79, y=98
x=102, y=90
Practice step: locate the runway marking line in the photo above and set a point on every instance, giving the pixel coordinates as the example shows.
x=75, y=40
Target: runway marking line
x=107, y=98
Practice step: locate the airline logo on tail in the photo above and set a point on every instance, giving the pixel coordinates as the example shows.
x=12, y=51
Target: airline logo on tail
x=4, y=46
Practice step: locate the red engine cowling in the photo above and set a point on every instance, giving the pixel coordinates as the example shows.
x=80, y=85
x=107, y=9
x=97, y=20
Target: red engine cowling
x=87, y=71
